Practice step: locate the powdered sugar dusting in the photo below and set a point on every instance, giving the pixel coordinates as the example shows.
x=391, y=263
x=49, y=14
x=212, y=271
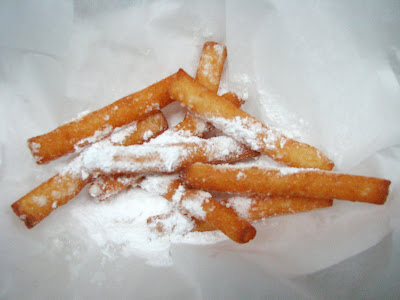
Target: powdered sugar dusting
x=241, y=205
x=248, y=131
x=35, y=147
x=40, y=200
x=193, y=203
x=207, y=63
x=148, y=134
x=158, y=183
x=158, y=157
x=119, y=227
x=119, y=135
x=97, y=136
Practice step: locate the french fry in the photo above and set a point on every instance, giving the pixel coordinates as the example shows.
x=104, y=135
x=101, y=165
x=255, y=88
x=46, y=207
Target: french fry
x=62, y=187
x=264, y=207
x=211, y=64
x=163, y=158
x=243, y=127
x=287, y=182
x=215, y=213
x=99, y=124
x=40, y=202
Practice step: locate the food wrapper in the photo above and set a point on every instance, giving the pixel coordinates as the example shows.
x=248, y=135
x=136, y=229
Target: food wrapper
x=326, y=73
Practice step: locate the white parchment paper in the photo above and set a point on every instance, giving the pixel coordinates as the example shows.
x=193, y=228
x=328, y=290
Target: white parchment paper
x=326, y=73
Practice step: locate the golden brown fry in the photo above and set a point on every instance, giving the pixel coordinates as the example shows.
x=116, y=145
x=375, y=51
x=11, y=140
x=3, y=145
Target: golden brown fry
x=244, y=127
x=265, y=207
x=217, y=214
x=288, y=182
x=164, y=158
x=40, y=202
x=66, y=138
x=211, y=64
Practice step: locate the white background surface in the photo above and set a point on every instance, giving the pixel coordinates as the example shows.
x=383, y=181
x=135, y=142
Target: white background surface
x=326, y=72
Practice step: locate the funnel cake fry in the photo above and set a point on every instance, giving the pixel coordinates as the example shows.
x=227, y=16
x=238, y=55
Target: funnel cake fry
x=100, y=123
x=287, y=182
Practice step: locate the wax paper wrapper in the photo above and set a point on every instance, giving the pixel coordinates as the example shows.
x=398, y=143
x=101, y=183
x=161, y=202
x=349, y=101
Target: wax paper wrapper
x=326, y=73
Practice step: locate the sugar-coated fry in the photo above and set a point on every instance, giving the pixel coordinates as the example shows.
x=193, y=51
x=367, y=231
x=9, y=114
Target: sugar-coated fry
x=202, y=206
x=257, y=207
x=98, y=124
x=163, y=158
x=244, y=127
x=40, y=202
x=211, y=63
x=260, y=207
x=287, y=182
x=58, y=190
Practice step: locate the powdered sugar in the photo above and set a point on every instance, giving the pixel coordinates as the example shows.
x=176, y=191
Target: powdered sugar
x=119, y=227
x=34, y=147
x=248, y=131
x=119, y=135
x=241, y=205
x=158, y=157
x=97, y=136
x=191, y=202
x=158, y=183
x=40, y=200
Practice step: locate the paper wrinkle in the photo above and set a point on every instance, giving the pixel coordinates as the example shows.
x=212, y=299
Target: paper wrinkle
x=330, y=74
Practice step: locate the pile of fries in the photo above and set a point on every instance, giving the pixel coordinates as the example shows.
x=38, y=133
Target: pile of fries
x=128, y=143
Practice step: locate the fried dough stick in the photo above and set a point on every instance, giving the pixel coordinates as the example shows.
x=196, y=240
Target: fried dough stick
x=287, y=182
x=254, y=208
x=209, y=72
x=68, y=137
x=265, y=207
x=244, y=127
x=40, y=202
x=58, y=190
x=215, y=213
x=163, y=158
